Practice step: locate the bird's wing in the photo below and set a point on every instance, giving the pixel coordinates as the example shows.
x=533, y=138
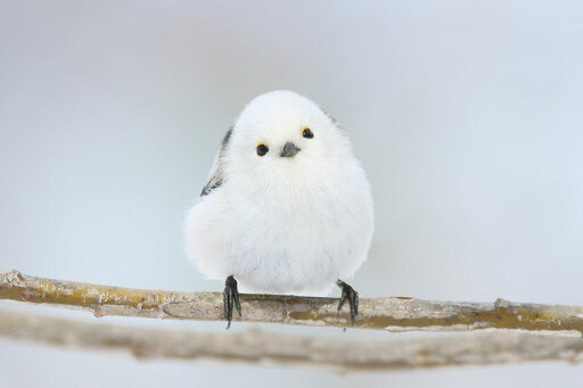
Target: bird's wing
x=216, y=176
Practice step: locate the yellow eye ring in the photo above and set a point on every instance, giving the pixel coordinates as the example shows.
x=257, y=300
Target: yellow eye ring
x=307, y=133
x=262, y=149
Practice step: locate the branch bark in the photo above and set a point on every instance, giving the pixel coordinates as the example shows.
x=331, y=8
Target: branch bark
x=257, y=347
x=393, y=314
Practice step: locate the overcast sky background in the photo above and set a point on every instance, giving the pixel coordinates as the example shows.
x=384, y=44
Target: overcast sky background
x=467, y=116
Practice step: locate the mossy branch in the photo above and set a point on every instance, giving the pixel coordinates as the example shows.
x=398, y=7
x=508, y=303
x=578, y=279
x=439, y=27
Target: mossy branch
x=393, y=314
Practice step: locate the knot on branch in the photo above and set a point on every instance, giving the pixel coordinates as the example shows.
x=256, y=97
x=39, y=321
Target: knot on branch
x=14, y=278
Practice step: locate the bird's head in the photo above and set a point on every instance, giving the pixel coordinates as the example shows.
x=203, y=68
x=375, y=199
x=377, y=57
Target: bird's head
x=282, y=136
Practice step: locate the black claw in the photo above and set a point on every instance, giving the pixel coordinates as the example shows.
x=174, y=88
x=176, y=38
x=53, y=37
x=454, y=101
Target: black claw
x=348, y=294
x=230, y=297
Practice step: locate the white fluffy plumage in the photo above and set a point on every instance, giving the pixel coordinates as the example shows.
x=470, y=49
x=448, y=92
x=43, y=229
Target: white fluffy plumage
x=286, y=225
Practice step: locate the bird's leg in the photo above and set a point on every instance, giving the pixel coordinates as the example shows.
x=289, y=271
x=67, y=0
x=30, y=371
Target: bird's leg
x=348, y=294
x=230, y=298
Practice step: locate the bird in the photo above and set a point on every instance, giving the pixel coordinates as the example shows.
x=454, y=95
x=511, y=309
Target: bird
x=287, y=207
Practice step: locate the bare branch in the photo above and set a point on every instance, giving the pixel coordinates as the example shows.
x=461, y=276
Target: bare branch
x=394, y=314
x=257, y=347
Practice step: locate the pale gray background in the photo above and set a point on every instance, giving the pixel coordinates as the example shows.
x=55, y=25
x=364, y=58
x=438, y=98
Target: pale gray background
x=466, y=115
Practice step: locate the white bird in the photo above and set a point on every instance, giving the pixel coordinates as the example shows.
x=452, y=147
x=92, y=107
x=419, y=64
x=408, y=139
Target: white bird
x=287, y=208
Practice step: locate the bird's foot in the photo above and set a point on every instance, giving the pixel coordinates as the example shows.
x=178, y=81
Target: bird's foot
x=230, y=298
x=350, y=296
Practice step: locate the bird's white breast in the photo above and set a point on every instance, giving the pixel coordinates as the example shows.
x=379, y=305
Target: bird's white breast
x=285, y=234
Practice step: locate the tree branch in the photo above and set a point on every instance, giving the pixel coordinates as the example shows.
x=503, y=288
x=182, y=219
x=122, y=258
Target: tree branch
x=393, y=314
x=257, y=347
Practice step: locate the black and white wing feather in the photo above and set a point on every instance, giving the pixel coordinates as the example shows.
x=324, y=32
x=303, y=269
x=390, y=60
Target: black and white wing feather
x=216, y=176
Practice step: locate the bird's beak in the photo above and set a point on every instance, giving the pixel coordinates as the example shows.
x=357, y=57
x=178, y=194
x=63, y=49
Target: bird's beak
x=289, y=150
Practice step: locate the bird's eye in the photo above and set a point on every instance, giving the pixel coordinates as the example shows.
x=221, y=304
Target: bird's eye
x=262, y=149
x=307, y=133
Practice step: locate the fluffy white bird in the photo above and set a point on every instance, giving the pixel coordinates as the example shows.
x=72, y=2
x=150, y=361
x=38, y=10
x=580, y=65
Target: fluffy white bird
x=287, y=207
